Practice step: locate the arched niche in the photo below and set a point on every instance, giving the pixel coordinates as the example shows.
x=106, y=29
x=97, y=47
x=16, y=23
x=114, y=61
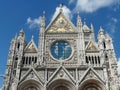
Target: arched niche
x=30, y=85
x=91, y=84
x=61, y=84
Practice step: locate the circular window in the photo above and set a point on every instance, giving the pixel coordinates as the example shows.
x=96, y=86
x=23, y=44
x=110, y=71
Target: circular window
x=61, y=50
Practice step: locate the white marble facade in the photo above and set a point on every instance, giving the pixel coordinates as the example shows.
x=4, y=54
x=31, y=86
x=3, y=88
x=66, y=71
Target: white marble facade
x=67, y=58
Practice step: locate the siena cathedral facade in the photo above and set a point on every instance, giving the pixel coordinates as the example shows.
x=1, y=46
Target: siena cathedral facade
x=67, y=57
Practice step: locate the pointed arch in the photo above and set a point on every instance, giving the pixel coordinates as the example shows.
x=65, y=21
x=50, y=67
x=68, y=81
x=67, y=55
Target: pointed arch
x=91, y=84
x=30, y=85
x=61, y=84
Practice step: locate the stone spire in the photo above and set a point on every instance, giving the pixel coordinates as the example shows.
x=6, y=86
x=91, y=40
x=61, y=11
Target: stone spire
x=41, y=39
x=79, y=22
x=21, y=33
x=101, y=33
x=42, y=22
x=92, y=28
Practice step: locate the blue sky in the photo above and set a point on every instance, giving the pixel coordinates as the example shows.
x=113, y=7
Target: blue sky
x=17, y=14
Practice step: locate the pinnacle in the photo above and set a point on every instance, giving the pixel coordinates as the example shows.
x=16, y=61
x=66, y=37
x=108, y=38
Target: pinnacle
x=60, y=6
x=32, y=37
x=43, y=14
x=22, y=30
x=101, y=29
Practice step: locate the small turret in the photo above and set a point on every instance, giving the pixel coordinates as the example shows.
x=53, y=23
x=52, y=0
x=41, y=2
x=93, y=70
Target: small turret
x=41, y=39
x=101, y=33
x=109, y=44
x=20, y=44
x=42, y=22
x=21, y=33
x=9, y=64
x=101, y=39
x=92, y=34
x=91, y=27
x=85, y=27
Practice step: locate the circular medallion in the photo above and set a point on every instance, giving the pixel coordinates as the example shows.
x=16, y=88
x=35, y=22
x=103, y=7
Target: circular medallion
x=61, y=50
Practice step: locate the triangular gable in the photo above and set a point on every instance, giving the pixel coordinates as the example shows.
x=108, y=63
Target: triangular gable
x=90, y=74
x=31, y=47
x=61, y=24
x=31, y=74
x=91, y=46
x=61, y=72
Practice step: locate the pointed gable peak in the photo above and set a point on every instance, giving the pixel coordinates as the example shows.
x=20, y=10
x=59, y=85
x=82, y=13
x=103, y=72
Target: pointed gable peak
x=31, y=47
x=85, y=27
x=31, y=74
x=108, y=37
x=21, y=33
x=32, y=39
x=101, y=31
x=60, y=6
x=60, y=24
x=91, y=46
x=61, y=72
x=92, y=27
x=91, y=74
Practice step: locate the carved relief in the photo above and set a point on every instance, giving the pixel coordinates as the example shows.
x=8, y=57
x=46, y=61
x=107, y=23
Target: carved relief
x=72, y=73
x=61, y=73
x=42, y=74
x=61, y=25
x=50, y=73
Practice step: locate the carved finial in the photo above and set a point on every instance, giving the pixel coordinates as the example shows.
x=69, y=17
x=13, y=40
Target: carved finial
x=84, y=23
x=32, y=37
x=92, y=28
x=91, y=25
x=42, y=21
x=108, y=36
x=79, y=23
x=78, y=15
x=60, y=6
x=43, y=14
x=21, y=33
x=22, y=30
x=101, y=29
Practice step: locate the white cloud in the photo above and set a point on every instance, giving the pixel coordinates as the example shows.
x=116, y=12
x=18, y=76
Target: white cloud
x=116, y=6
x=93, y=5
x=33, y=23
x=118, y=66
x=66, y=11
x=71, y=1
x=111, y=26
x=114, y=20
x=1, y=88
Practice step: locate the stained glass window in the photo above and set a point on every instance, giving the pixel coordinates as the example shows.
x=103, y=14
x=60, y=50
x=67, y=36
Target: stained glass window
x=61, y=50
